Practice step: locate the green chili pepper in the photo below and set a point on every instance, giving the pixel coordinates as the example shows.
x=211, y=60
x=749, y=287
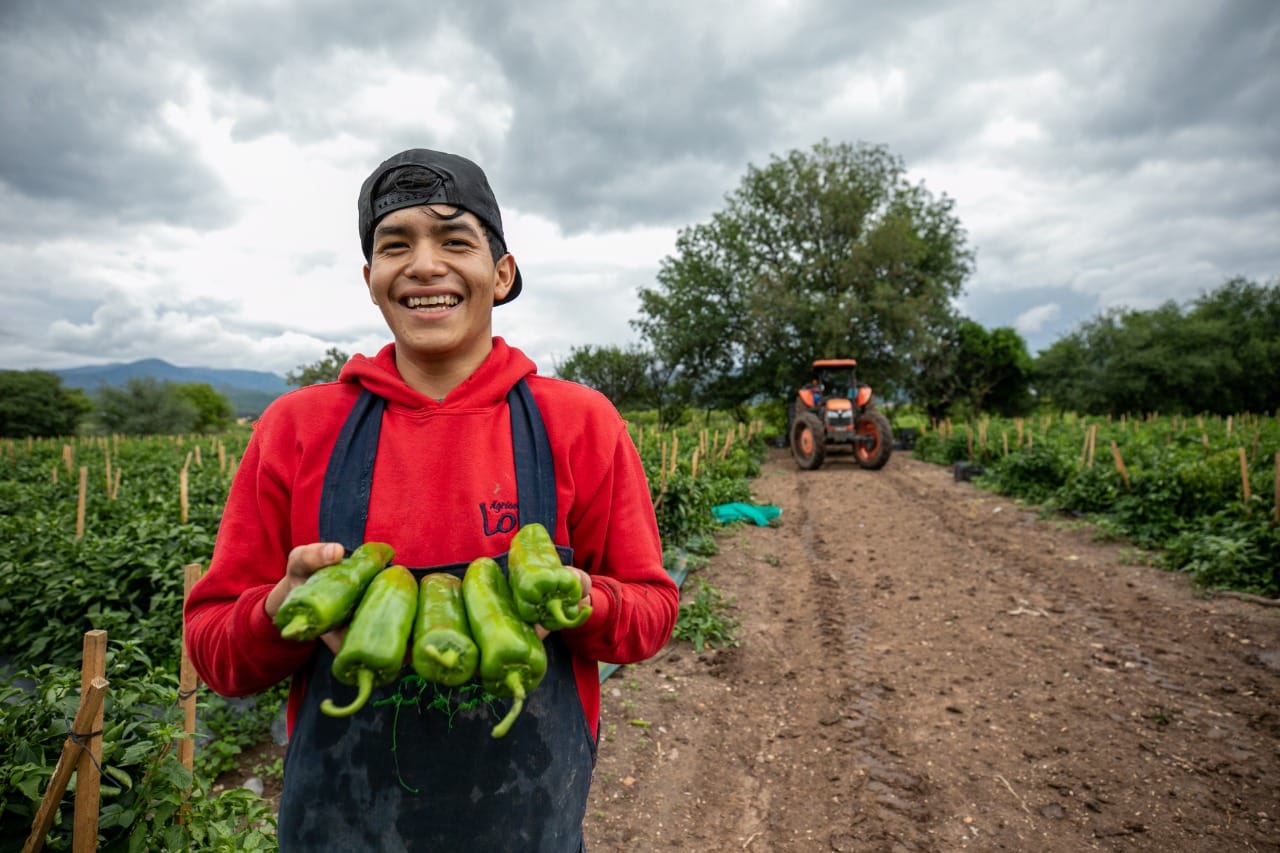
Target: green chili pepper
x=512, y=658
x=329, y=596
x=377, y=640
x=443, y=650
x=546, y=591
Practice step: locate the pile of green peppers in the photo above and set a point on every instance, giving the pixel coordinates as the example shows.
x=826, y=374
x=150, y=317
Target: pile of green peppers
x=449, y=631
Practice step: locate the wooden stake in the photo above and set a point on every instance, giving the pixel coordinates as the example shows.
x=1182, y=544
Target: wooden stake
x=1124, y=472
x=187, y=682
x=107, y=462
x=1244, y=476
x=84, y=485
x=84, y=834
x=182, y=495
x=90, y=709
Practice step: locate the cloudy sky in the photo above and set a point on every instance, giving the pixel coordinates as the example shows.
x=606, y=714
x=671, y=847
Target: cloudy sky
x=178, y=180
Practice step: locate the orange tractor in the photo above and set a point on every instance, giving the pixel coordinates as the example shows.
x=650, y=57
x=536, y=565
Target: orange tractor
x=835, y=411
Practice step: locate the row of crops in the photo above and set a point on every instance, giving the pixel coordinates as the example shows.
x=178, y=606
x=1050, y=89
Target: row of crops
x=1199, y=492
x=96, y=534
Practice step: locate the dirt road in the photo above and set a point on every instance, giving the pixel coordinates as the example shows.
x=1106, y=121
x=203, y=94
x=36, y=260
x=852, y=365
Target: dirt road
x=925, y=666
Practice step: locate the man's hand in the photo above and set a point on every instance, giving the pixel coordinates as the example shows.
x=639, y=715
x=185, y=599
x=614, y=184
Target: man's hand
x=304, y=561
x=585, y=601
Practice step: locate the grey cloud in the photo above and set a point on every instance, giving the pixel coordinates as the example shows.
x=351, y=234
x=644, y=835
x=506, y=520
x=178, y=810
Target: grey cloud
x=81, y=115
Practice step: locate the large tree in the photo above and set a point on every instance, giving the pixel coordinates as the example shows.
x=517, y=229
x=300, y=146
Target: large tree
x=977, y=370
x=323, y=370
x=826, y=253
x=145, y=406
x=621, y=375
x=214, y=411
x=1219, y=353
x=34, y=403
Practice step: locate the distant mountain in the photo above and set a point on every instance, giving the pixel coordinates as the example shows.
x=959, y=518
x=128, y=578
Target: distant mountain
x=250, y=391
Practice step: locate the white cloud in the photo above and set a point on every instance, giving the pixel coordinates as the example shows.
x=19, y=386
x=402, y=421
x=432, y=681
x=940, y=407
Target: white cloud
x=1033, y=321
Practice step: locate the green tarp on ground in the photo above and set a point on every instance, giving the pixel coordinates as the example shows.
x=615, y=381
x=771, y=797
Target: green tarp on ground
x=760, y=514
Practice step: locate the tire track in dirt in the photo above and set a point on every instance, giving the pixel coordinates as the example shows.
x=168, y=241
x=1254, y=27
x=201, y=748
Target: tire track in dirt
x=871, y=800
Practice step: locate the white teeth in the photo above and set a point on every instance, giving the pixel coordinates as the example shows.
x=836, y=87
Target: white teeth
x=432, y=301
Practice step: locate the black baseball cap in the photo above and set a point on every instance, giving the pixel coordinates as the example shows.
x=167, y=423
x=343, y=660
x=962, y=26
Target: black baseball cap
x=462, y=184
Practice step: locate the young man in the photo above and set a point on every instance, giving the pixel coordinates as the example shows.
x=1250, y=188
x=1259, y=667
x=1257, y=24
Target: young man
x=441, y=445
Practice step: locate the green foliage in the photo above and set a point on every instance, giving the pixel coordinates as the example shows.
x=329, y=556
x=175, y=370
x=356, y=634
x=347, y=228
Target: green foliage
x=1219, y=354
x=34, y=403
x=149, y=800
x=982, y=371
x=1228, y=551
x=705, y=621
x=214, y=411
x=125, y=575
x=682, y=500
x=1180, y=491
x=621, y=375
x=239, y=724
x=324, y=370
x=145, y=406
x=823, y=252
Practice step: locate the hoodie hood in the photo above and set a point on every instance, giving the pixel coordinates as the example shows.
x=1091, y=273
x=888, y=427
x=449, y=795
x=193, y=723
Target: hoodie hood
x=497, y=374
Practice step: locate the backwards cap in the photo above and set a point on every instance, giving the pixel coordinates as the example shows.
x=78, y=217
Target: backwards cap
x=462, y=184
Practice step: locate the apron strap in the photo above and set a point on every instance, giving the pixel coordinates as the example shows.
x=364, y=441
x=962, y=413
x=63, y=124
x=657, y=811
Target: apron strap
x=535, y=468
x=348, y=481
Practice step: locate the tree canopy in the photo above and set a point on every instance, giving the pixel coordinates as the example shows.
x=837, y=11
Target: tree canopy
x=977, y=370
x=324, y=370
x=621, y=375
x=825, y=253
x=34, y=403
x=1218, y=354
x=214, y=411
x=146, y=406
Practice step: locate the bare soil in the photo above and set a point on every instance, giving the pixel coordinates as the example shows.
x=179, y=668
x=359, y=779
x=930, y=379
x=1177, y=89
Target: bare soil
x=925, y=666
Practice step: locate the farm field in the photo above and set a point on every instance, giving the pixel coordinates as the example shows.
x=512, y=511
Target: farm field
x=921, y=665
x=926, y=666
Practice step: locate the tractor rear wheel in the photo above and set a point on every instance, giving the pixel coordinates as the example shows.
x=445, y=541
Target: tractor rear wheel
x=877, y=440
x=808, y=441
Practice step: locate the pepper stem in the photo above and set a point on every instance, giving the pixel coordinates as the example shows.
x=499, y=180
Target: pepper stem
x=297, y=628
x=515, y=684
x=447, y=659
x=364, y=687
x=562, y=619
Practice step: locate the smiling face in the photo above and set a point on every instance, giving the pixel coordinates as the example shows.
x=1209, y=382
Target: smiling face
x=433, y=277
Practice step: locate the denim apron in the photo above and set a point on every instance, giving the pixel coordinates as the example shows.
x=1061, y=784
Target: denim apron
x=417, y=768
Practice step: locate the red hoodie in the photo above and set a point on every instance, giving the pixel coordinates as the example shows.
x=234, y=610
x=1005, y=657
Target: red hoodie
x=444, y=472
